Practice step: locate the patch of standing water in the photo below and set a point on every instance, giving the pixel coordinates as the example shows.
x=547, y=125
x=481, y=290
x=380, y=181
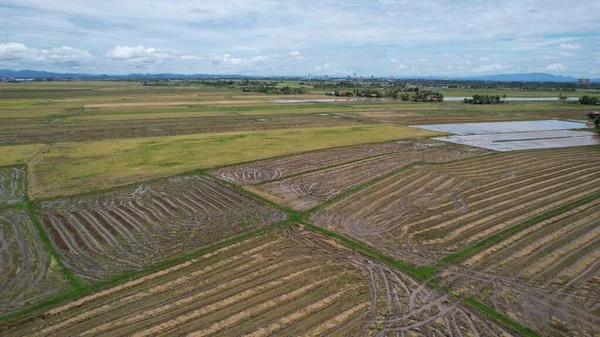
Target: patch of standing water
x=514, y=99
x=318, y=100
x=502, y=127
x=515, y=141
x=513, y=136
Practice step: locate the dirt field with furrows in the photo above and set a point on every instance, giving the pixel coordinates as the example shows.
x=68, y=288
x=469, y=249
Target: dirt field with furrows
x=308, y=190
x=271, y=169
x=12, y=185
x=28, y=274
x=126, y=229
x=35, y=130
x=290, y=282
x=547, y=275
x=428, y=212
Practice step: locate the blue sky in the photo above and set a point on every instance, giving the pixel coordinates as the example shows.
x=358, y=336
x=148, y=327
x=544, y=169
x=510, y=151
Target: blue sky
x=323, y=37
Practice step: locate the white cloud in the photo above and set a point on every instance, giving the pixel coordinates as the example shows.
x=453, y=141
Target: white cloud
x=491, y=68
x=484, y=59
x=402, y=66
x=227, y=60
x=140, y=56
x=569, y=46
x=126, y=52
x=556, y=67
x=13, y=51
x=296, y=55
x=566, y=54
x=191, y=58
x=515, y=32
x=423, y=60
x=258, y=59
x=65, y=55
x=393, y=60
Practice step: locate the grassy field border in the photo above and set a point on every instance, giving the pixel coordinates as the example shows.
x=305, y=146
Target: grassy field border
x=490, y=240
x=427, y=275
x=424, y=273
x=75, y=280
x=401, y=169
x=87, y=289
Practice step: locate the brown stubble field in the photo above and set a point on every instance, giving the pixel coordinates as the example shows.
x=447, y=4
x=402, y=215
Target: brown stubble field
x=193, y=210
x=304, y=191
x=127, y=229
x=289, y=282
x=545, y=276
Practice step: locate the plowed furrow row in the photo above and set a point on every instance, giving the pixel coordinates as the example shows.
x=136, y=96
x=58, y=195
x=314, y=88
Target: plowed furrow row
x=27, y=271
x=132, y=227
x=12, y=185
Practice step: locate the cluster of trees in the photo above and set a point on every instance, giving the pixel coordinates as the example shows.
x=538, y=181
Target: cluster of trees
x=587, y=100
x=404, y=84
x=271, y=89
x=485, y=99
x=414, y=95
x=423, y=96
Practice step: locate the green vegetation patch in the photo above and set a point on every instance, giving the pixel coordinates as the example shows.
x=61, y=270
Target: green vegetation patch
x=72, y=168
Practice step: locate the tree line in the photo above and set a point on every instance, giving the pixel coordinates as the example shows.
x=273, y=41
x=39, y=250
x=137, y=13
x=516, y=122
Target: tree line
x=485, y=99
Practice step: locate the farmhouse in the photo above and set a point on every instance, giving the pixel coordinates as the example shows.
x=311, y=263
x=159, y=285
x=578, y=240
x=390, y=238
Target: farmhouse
x=593, y=114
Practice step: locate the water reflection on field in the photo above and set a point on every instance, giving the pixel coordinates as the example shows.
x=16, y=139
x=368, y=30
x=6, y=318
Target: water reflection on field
x=513, y=136
x=527, y=140
x=503, y=127
x=514, y=99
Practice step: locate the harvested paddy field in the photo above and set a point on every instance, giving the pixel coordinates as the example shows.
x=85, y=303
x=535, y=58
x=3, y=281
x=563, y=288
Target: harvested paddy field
x=127, y=229
x=28, y=273
x=428, y=212
x=290, y=282
x=305, y=191
x=547, y=274
x=277, y=168
x=71, y=168
x=77, y=129
x=12, y=185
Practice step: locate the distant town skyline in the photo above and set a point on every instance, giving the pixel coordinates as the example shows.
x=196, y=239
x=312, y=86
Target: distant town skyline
x=324, y=37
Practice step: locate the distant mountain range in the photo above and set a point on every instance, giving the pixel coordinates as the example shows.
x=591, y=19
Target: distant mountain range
x=27, y=74
x=521, y=77
x=525, y=77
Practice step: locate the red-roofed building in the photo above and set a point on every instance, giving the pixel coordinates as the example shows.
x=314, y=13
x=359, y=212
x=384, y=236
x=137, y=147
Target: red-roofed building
x=593, y=114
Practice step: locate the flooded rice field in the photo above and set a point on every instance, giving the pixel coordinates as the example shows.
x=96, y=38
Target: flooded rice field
x=515, y=141
x=514, y=136
x=446, y=98
x=514, y=99
x=318, y=100
x=502, y=127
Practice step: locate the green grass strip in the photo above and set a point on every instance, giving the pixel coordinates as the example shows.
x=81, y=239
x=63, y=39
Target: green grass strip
x=423, y=274
x=490, y=240
x=507, y=321
x=87, y=289
x=387, y=175
x=426, y=274
x=76, y=281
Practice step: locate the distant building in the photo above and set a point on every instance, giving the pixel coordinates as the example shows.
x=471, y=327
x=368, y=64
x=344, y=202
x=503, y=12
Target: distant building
x=593, y=114
x=583, y=81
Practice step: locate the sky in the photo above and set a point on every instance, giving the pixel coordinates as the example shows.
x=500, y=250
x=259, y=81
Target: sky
x=398, y=38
